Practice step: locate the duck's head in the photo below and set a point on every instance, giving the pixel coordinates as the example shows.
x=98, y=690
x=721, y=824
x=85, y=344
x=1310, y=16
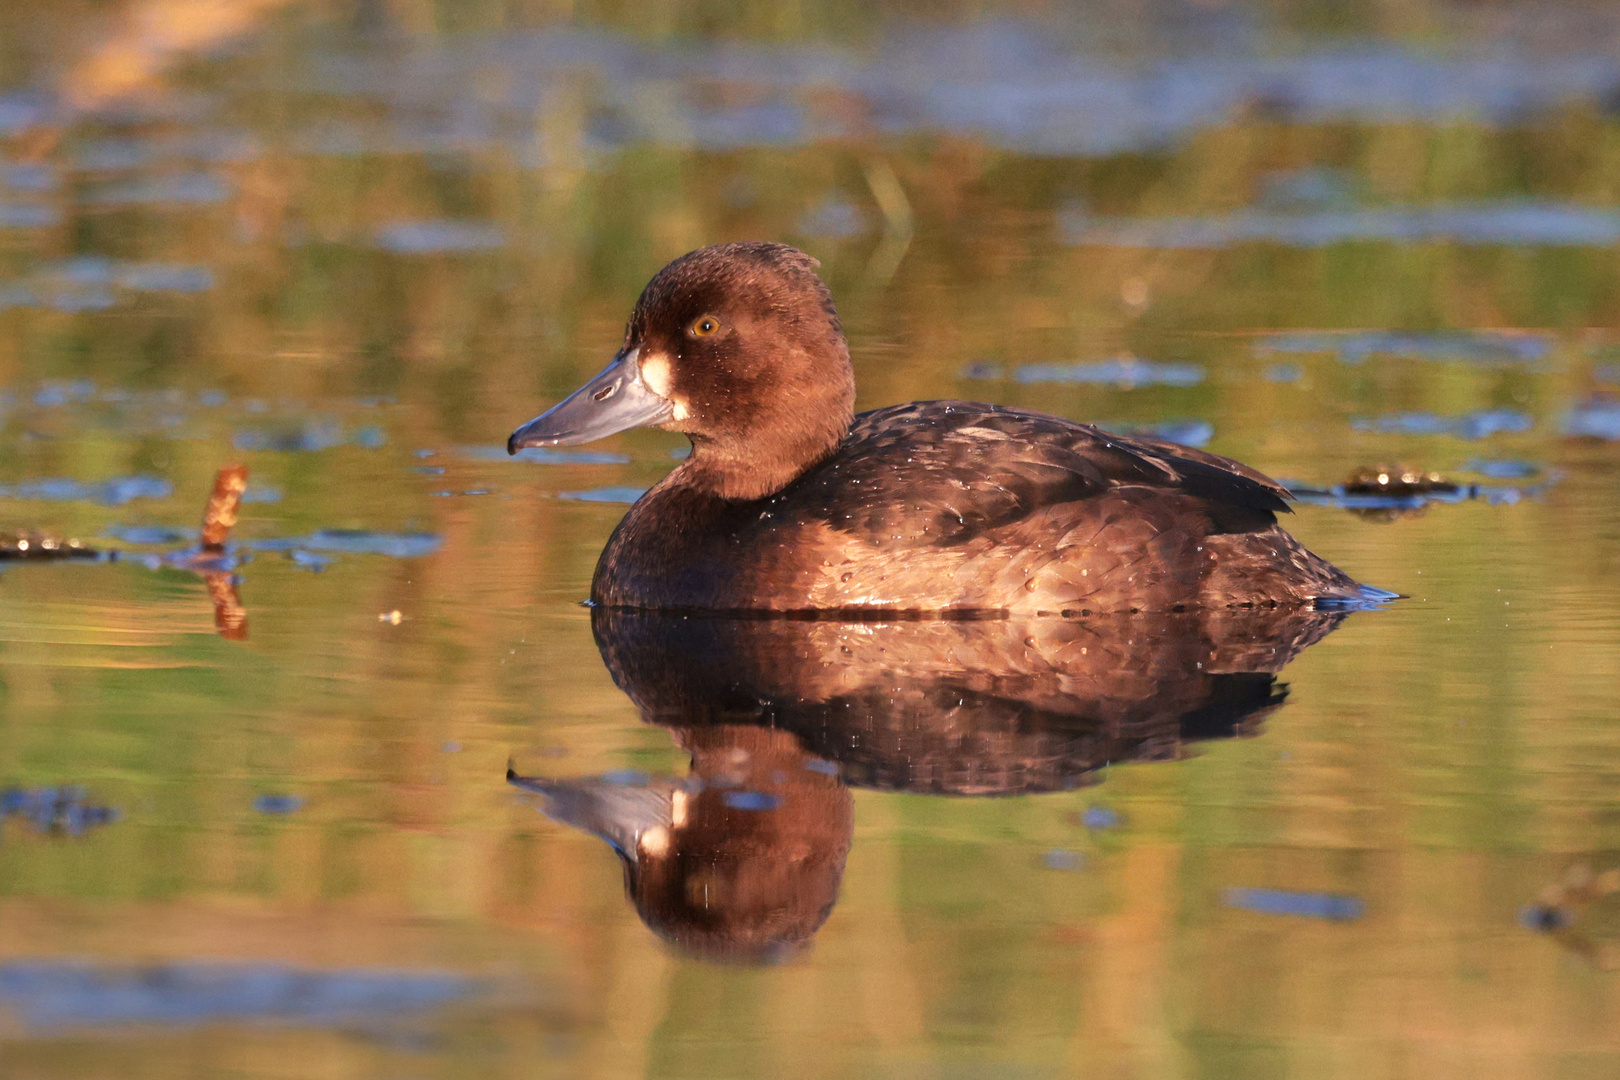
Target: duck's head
x=741, y=860
x=739, y=347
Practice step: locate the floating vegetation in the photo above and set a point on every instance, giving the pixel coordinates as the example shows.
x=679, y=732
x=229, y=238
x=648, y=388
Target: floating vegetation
x=36, y=545
x=1388, y=492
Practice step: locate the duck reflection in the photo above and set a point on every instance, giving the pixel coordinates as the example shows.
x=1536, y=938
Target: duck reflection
x=741, y=859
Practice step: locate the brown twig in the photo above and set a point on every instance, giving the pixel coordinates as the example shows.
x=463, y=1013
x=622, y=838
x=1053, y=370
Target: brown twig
x=223, y=505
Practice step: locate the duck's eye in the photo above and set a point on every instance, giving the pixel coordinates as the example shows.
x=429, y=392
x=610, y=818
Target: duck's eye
x=704, y=326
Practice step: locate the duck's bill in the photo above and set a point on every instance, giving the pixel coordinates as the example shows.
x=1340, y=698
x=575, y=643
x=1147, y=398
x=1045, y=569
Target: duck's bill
x=616, y=400
x=620, y=813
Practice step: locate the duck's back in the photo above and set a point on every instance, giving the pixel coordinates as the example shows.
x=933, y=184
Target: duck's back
x=949, y=505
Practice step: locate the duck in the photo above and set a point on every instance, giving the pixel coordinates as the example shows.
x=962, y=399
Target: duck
x=791, y=503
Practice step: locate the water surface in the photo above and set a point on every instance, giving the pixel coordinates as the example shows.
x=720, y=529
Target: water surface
x=256, y=813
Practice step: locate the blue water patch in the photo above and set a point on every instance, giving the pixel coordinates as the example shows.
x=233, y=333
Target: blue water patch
x=627, y=777
x=1059, y=859
x=1284, y=373
x=750, y=800
x=1009, y=84
x=262, y=493
x=1473, y=347
x=436, y=237
x=406, y=545
x=64, y=809
x=620, y=494
x=821, y=765
x=1099, y=817
x=1507, y=223
x=112, y=155
x=162, y=277
x=277, y=804
x=115, y=492
x=55, y=393
x=1546, y=918
x=1598, y=419
x=370, y=438
x=1474, y=425
x=65, y=295
x=181, y=189
x=543, y=455
x=1307, y=189
x=313, y=561
x=306, y=437
x=1503, y=469
x=1310, y=905
x=89, y=283
x=29, y=176
x=58, y=993
x=20, y=111
x=1186, y=432
x=150, y=534
x=27, y=215
x=1127, y=372
x=834, y=219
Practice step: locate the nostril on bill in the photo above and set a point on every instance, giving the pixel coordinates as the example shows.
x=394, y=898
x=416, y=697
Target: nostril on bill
x=605, y=393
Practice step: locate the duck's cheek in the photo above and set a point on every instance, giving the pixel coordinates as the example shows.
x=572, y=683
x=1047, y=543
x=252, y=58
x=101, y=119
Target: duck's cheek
x=656, y=373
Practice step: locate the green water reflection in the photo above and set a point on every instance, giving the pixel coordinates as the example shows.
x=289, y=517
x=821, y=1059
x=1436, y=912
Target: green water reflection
x=353, y=245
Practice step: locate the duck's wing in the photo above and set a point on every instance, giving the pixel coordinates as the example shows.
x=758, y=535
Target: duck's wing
x=942, y=472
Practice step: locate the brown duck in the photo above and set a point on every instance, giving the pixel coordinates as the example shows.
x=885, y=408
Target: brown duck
x=790, y=502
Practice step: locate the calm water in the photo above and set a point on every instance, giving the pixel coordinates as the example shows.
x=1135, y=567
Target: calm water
x=257, y=819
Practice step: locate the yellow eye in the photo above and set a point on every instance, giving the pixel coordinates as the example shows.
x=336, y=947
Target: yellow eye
x=704, y=326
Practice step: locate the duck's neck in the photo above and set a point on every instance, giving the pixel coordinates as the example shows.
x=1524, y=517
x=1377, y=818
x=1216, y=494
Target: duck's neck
x=775, y=450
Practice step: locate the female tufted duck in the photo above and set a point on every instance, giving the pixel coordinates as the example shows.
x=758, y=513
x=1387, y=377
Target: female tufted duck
x=789, y=502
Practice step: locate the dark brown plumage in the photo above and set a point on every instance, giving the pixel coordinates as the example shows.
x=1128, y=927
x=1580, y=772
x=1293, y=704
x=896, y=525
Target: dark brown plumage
x=787, y=503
